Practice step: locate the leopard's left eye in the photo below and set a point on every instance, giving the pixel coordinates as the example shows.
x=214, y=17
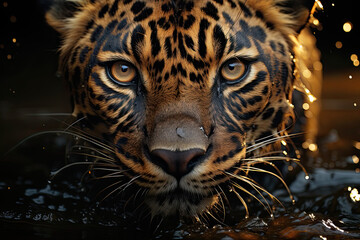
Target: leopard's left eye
x=233, y=70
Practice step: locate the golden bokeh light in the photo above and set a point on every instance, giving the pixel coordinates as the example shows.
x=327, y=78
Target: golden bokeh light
x=338, y=44
x=306, y=106
x=313, y=147
x=353, y=57
x=347, y=27
x=355, y=159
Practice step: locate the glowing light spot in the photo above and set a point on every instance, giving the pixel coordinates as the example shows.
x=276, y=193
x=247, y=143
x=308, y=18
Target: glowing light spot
x=319, y=4
x=306, y=73
x=356, y=63
x=355, y=104
x=14, y=40
x=333, y=4
x=357, y=145
x=316, y=22
x=9, y=57
x=330, y=225
x=350, y=77
x=8, y=188
x=323, y=238
x=353, y=57
x=305, y=145
x=283, y=142
x=357, y=170
x=355, y=159
x=13, y=19
x=338, y=44
x=306, y=106
x=354, y=195
x=89, y=172
x=313, y=147
x=290, y=104
x=349, y=188
x=43, y=148
x=312, y=216
x=347, y=27
x=307, y=177
x=312, y=98
x=285, y=153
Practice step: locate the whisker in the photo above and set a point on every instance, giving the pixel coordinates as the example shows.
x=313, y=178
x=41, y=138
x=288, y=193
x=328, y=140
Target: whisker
x=97, y=157
x=269, y=141
x=242, y=201
x=252, y=195
x=257, y=187
x=74, y=123
x=107, y=169
x=253, y=169
x=48, y=114
x=83, y=137
x=53, y=174
x=111, y=185
x=222, y=205
x=215, y=218
x=109, y=176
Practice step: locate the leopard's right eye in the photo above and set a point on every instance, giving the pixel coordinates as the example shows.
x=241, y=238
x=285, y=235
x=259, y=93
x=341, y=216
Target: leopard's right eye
x=233, y=70
x=122, y=72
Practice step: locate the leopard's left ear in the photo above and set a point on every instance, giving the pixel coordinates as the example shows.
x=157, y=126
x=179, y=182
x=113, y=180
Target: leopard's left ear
x=61, y=11
x=297, y=11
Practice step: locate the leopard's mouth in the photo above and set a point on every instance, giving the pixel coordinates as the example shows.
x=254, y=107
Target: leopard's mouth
x=180, y=201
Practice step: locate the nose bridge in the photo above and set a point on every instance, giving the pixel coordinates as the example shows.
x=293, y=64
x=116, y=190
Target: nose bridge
x=177, y=127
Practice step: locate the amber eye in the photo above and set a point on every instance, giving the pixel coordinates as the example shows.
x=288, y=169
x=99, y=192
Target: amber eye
x=233, y=70
x=122, y=72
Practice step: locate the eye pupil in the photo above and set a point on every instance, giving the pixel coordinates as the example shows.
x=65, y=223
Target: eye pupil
x=231, y=66
x=124, y=68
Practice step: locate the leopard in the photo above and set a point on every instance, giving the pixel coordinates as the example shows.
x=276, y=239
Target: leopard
x=181, y=94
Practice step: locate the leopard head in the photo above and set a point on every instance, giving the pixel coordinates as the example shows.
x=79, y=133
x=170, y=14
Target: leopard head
x=181, y=89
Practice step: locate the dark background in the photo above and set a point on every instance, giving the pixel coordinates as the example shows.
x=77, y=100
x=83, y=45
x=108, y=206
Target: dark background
x=29, y=85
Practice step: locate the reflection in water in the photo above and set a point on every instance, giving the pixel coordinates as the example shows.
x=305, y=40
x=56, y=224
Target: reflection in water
x=354, y=194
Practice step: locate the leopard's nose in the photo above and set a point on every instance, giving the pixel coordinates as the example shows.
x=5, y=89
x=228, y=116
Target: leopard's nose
x=177, y=163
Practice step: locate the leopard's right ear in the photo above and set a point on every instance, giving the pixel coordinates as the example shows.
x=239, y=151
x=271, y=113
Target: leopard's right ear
x=60, y=11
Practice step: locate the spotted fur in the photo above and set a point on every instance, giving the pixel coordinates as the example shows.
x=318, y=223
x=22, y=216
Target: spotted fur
x=179, y=102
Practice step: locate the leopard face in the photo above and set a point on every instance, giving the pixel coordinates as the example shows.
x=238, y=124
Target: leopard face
x=180, y=88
